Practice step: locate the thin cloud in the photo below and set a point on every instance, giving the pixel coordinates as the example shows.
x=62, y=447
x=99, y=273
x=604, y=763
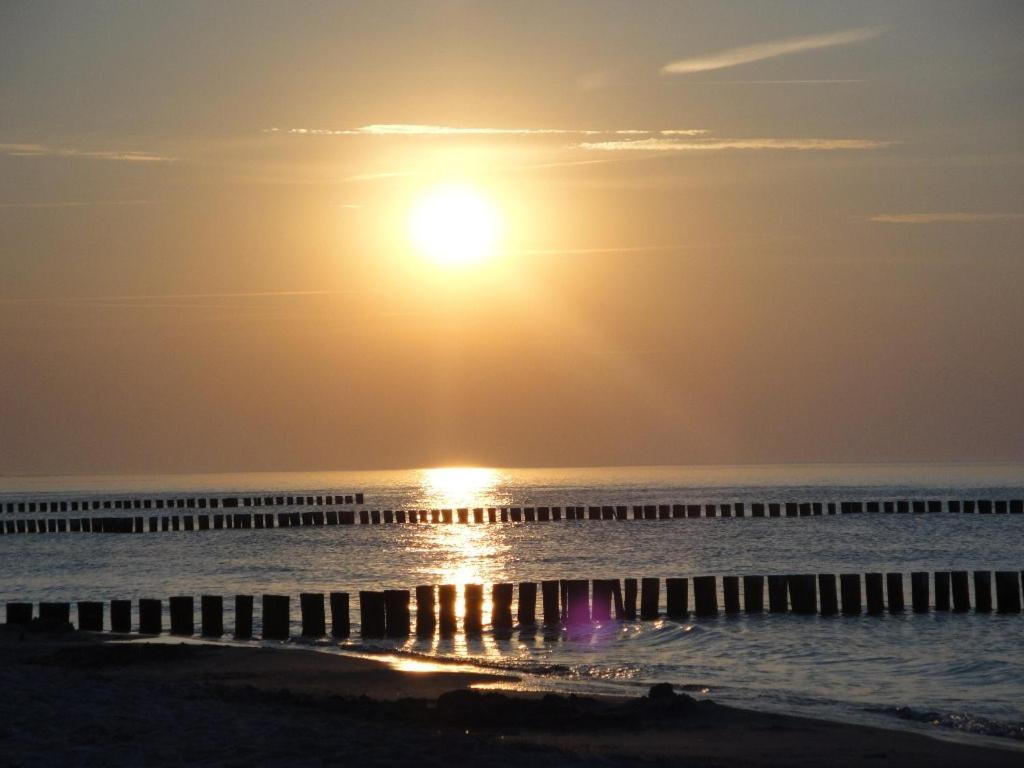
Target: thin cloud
x=718, y=145
x=820, y=81
x=416, y=129
x=957, y=217
x=78, y=203
x=43, y=150
x=734, y=57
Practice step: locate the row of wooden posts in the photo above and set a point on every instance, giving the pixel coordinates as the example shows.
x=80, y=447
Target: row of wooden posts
x=480, y=515
x=180, y=502
x=569, y=603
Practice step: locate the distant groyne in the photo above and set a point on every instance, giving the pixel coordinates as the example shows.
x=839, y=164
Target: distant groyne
x=322, y=510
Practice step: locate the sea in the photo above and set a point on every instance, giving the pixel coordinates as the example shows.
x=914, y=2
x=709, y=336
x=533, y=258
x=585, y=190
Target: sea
x=956, y=676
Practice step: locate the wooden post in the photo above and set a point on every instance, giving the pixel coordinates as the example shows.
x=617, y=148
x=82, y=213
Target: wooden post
x=919, y=591
x=803, y=593
x=396, y=613
x=314, y=621
x=426, y=613
x=446, y=599
x=90, y=616
x=757, y=510
x=777, y=599
x=182, y=612
x=372, y=624
x=849, y=585
x=774, y=509
x=693, y=510
x=19, y=613
x=549, y=600
x=677, y=598
x=276, y=617
x=1008, y=591
x=629, y=600
x=473, y=597
x=753, y=593
x=983, y=591
x=341, y=626
x=827, y=594
x=874, y=591
x=211, y=609
x=649, y=597
x=527, y=604
x=501, y=608
x=243, y=617
x=894, y=592
x=578, y=594
x=121, y=616
x=150, y=617
x=731, y=593
x=942, y=591
x=961, y=592
x=705, y=595
x=55, y=613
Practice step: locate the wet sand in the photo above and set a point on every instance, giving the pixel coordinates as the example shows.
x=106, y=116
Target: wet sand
x=76, y=699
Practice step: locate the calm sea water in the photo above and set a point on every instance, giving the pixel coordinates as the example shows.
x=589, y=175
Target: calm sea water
x=946, y=674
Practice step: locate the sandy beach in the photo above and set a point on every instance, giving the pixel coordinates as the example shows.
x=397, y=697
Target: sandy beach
x=77, y=699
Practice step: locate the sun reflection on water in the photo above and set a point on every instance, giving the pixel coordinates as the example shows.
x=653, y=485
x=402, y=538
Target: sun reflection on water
x=466, y=487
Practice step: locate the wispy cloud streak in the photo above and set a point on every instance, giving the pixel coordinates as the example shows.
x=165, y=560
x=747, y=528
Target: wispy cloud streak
x=719, y=145
x=414, y=129
x=78, y=203
x=957, y=217
x=43, y=150
x=734, y=57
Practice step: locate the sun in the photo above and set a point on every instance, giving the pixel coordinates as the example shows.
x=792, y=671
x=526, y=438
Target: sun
x=454, y=225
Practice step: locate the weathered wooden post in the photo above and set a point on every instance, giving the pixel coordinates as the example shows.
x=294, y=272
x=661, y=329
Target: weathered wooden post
x=527, y=616
x=919, y=591
x=243, y=617
x=121, y=616
x=55, y=613
x=849, y=585
x=473, y=597
x=731, y=593
x=372, y=624
x=961, y=592
x=803, y=593
x=620, y=608
x=396, y=613
x=874, y=591
x=314, y=620
x=942, y=591
x=777, y=598
x=182, y=612
x=753, y=592
x=276, y=617
x=341, y=626
x=705, y=595
x=211, y=609
x=983, y=591
x=426, y=615
x=1008, y=591
x=549, y=601
x=578, y=600
x=828, y=594
x=649, y=597
x=150, y=617
x=894, y=592
x=446, y=598
x=90, y=616
x=677, y=598
x=629, y=600
x=601, y=600
x=501, y=609
x=757, y=510
x=774, y=510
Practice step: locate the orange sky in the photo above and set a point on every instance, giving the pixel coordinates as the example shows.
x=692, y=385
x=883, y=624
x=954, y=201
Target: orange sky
x=727, y=237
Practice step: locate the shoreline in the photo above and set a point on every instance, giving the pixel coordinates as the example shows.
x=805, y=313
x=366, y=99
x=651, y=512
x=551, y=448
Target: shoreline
x=93, y=700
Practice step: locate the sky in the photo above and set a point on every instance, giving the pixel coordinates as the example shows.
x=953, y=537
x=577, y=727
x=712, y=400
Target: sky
x=730, y=233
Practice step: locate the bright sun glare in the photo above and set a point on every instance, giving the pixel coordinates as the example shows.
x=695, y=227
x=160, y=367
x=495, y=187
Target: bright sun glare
x=454, y=226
